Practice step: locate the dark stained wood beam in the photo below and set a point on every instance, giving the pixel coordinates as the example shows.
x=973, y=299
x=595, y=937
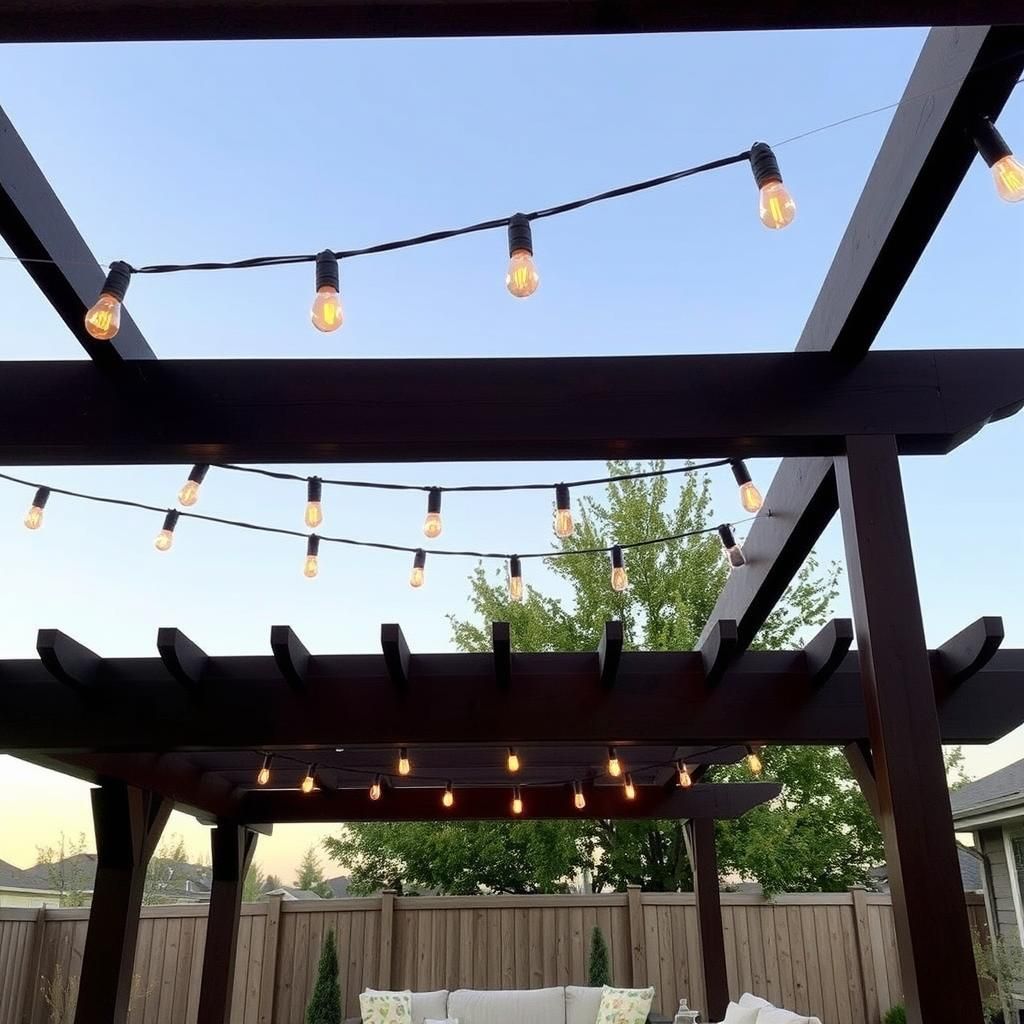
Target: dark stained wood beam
x=719, y=800
x=38, y=230
x=67, y=660
x=719, y=649
x=658, y=698
x=704, y=862
x=501, y=642
x=826, y=651
x=396, y=653
x=184, y=659
x=862, y=765
x=965, y=654
x=111, y=20
x=290, y=655
x=405, y=410
x=609, y=651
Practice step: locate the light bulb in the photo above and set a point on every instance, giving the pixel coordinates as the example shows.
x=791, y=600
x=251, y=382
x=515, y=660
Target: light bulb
x=517, y=801
x=308, y=782
x=311, y=567
x=432, y=524
x=750, y=496
x=578, y=799
x=403, y=762
x=753, y=761
x=327, y=314
x=1007, y=172
x=189, y=493
x=614, y=765
x=732, y=548
x=563, y=512
x=376, y=789
x=521, y=278
x=630, y=788
x=263, y=775
x=103, y=319
x=448, y=799
x=34, y=516
x=165, y=538
x=684, y=775
x=515, y=579
x=314, y=509
x=419, y=564
x=513, y=760
x=620, y=579
x=776, y=207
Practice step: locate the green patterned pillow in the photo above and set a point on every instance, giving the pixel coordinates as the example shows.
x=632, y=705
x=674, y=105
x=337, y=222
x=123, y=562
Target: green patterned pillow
x=624, y=1005
x=386, y=1007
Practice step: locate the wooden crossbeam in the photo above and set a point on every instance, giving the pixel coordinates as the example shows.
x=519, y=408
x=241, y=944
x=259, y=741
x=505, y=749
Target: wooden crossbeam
x=396, y=653
x=290, y=654
x=405, y=410
x=501, y=641
x=609, y=651
x=825, y=652
x=67, y=660
x=184, y=659
x=719, y=649
x=965, y=654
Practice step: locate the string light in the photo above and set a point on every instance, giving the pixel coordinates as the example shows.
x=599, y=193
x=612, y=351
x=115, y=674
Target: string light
x=327, y=314
x=432, y=524
x=522, y=277
x=684, y=775
x=448, y=799
x=578, y=799
x=376, y=788
x=189, y=493
x=563, y=512
x=419, y=568
x=310, y=780
x=404, y=767
x=620, y=579
x=630, y=789
x=750, y=496
x=512, y=762
x=311, y=566
x=776, y=207
x=34, y=516
x=103, y=320
x=515, y=579
x=165, y=538
x=753, y=760
x=1007, y=172
x=517, y=800
x=732, y=548
x=614, y=764
x=314, y=508
x=263, y=775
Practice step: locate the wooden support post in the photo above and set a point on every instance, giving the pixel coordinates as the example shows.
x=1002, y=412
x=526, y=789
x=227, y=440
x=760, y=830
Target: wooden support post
x=609, y=651
x=233, y=847
x=704, y=861
x=30, y=993
x=290, y=654
x=501, y=641
x=862, y=931
x=637, y=942
x=933, y=934
x=387, y=924
x=862, y=764
x=396, y=652
x=128, y=825
x=719, y=649
x=268, y=980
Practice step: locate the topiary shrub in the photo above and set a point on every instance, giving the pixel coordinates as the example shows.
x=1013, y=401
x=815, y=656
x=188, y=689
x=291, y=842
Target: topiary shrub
x=598, y=972
x=325, y=1003
x=895, y=1015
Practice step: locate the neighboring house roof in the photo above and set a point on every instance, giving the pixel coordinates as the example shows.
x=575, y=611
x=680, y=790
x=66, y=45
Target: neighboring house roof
x=970, y=873
x=1001, y=791
x=339, y=886
x=12, y=877
x=289, y=893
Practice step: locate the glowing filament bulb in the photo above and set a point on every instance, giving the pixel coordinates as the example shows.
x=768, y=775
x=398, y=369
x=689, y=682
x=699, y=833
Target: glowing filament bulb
x=522, y=278
x=327, y=314
x=314, y=509
x=1007, y=172
x=620, y=579
x=630, y=789
x=419, y=566
x=376, y=788
x=189, y=493
x=515, y=579
x=432, y=524
x=563, y=512
x=578, y=799
x=103, y=319
x=309, y=782
x=34, y=516
x=614, y=764
x=263, y=775
x=750, y=496
x=165, y=538
x=517, y=801
x=404, y=767
x=776, y=207
x=684, y=775
x=448, y=799
x=311, y=567
x=513, y=760
x=753, y=761
x=732, y=548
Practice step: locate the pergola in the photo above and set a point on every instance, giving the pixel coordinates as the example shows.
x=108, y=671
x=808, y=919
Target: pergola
x=171, y=731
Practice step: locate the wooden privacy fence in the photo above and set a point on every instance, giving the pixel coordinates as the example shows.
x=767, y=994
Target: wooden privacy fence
x=829, y=954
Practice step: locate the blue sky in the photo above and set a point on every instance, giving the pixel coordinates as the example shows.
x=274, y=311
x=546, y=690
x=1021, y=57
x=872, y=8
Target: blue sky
x=168, y=152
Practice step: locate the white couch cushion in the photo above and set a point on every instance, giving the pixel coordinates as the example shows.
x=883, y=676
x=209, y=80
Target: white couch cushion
x=511, y=1006
x=582, y=1004
x=736, y=1014
x=748, y=1000
x=425, y=1005
x=773, y=1015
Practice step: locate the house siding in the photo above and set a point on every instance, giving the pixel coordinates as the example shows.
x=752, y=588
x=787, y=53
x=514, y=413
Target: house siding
x=994, y=848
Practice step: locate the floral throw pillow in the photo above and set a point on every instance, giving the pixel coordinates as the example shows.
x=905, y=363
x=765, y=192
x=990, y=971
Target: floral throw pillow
x=386, y=1007
x=624, y=1005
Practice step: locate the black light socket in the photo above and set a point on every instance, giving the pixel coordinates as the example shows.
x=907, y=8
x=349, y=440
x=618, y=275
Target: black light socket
x=327, y=273
x=728, y=538
x=562, y=501
x=419, y=560
x=991, y=145
x=616, y=556
x=515, y=567
x=171, y=520
x=314, y=488
x=312, y=546
x=520, y=236
x=740, y=472
x=434, y=501
x=198, y=474
x=763, y=164
x=118, y=278
x=41, y=498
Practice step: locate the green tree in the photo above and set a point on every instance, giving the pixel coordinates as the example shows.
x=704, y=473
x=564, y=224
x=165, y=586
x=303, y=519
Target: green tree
x=325, y=1003
x=598, y=971
x=272, y=882
x=254, y=885
x=169, y=871
x=67, y=869
x=311, y=875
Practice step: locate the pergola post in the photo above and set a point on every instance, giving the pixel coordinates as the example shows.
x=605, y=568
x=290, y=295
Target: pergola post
x=704, y=862
x=233, y=847
x=932, y=930
x=128, y=824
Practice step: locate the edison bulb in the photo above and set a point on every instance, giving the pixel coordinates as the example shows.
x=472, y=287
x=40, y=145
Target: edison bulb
x=432, y=525
x=684, y=777
x=449, y=797
x=522, y=277
x=314, y=514
x=776, y=207
x=164, y=540
x=263, y=776
x=754, y=763
x=579, y=800
x=403, y=763
x=750, y=497
x=34, y=517
x=311, y=567
x=563, y=523
x=416, y=577
x=517, y=804
x=513, y=761
x=189, y=494
x=104, y=318
x=630, y=788
x=515, y=588
x=375, y=789
x=614, y=764
x=620, y=580
x=327, y=314
x=1008, y=174
x=307, y=784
